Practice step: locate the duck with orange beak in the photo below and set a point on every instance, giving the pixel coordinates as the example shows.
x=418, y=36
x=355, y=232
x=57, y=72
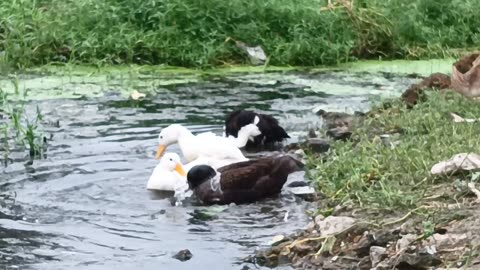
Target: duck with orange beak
x=168, y=175
x=207, y=146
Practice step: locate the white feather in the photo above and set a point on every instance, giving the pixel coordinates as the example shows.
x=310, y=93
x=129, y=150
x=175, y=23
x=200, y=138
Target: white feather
x=206, y=144
x=164, y=176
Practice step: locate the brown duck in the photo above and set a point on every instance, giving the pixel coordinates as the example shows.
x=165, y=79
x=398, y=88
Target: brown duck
x=242, y=182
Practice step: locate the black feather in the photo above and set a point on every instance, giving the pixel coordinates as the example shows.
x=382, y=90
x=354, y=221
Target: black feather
x=271, y=131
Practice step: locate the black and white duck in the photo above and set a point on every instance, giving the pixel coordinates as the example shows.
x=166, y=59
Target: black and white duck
x=271, y=131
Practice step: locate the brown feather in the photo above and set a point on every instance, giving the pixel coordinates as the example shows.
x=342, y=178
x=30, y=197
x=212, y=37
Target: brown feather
x=249, y=181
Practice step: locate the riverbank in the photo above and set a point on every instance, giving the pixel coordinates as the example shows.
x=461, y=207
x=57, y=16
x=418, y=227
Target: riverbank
x=382, y=205
x=193, y=33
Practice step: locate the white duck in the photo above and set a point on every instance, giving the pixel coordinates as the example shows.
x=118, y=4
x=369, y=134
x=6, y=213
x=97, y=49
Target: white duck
x=245, y=134
x=168, y=175
x=206, y=146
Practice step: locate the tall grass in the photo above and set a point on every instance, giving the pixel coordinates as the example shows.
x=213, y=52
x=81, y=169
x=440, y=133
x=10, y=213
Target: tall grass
x=18, y=130
x=192, y=33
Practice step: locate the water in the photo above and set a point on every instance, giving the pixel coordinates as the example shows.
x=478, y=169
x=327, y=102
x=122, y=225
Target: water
x=85, y=206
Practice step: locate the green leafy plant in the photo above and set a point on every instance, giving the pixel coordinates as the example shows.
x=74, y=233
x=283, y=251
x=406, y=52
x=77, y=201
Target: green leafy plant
x=18, y=129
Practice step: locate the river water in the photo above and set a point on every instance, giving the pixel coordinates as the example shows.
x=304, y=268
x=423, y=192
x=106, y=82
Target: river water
x=85, y=205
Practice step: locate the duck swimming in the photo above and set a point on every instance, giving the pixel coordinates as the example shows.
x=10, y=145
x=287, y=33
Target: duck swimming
x=168, y=175
x=242, y=182
x=271, y=131
x=206, y=145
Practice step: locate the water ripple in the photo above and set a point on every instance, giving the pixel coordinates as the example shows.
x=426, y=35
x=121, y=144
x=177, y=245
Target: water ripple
x=87, y=198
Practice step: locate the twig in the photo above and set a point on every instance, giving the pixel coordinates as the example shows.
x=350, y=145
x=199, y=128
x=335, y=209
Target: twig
x=402, y=218
x=296, y=242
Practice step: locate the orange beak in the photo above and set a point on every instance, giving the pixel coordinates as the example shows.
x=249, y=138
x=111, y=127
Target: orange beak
x=160, y=151
x=180, y=170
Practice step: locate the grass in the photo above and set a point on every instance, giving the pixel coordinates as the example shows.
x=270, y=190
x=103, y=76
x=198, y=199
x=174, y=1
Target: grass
x=191, y=33
x=19, y=131
x=371, y=174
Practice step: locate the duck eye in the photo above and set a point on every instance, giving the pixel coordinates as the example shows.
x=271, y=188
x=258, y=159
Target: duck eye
x=171, y=159
x=161, y=137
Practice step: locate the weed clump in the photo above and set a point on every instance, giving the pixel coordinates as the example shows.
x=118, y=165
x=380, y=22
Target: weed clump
x=19, y=131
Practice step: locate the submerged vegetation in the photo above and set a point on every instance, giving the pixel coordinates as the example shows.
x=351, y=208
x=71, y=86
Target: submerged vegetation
x=16, y=126
x=387, y=163
x=193, y=33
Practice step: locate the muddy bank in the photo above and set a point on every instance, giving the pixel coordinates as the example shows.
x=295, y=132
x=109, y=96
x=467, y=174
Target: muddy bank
x=355, y=241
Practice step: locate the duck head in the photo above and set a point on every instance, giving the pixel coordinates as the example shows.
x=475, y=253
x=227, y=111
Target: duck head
x=171, y=162
x=199, y=174
x=168, y=136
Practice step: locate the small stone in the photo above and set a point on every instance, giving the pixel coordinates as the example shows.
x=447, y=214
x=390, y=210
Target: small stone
x=340, y=133
x=419, y=260
x=292, y=147
x=405, y=241
x=432, y=250
x=311, y=133
x=362, y=246
x=319, y=218
x=276, y=249
x=448, y=241
x=310, y=226
x=297, y=184
x=303, y=248
x=302, y=191
x=382, y=238
x=299, y=152
x=284, y=256
x=377, y=254
x=277, y=239
x=382, y=266
x=318, y=145
x=334, y=224
x=183, y=255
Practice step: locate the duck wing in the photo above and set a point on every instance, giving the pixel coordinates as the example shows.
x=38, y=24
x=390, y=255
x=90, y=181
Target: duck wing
x=243, y=175
x=236, y=120
x=258, y=173
x=271, y=129
x=219, y=148
x=254, y=180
